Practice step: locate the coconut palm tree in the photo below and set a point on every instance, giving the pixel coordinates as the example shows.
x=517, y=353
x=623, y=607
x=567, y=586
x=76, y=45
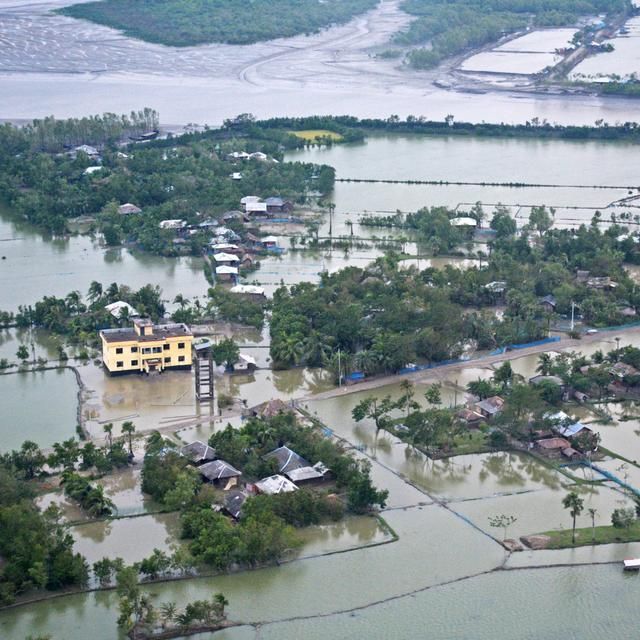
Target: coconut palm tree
x=181, y=300
x=592, y=512
x=108, y=429
x=544, y=364
x=95, y=291
x=575, y=504
x=128, y=427
x=96, y=503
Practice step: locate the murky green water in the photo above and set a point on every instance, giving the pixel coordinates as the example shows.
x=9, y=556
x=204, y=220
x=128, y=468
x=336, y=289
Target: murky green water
x=38, y=406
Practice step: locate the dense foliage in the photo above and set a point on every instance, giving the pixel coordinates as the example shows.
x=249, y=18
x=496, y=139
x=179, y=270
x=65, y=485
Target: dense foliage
x=36, y=549
x=534, y=128
x=244, y=448
x=452, y=27
x=181, y=24
x=187, y=178
x=383, y=317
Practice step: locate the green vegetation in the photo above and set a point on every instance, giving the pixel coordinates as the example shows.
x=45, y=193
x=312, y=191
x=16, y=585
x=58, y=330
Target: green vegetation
x=353, y=129
x=187, y=178
x=382, y=317
x=453, y=27
x=91, y=498
x=244, y=448
x=593, y=535
x=266, y=529
x=140, y=618
x=36, y=548
x=180, y=24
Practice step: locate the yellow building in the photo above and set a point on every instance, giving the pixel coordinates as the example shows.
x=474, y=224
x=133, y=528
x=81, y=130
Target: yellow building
x=146, y=347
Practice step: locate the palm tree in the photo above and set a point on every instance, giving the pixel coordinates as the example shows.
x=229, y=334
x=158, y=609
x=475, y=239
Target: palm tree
x=168, y=612
x=97, y=504
x=108, y=429
x=575, y=504
x=95, y=291
x=181, y=300
x=544, y=364
x=128, y=427
x=592, y=513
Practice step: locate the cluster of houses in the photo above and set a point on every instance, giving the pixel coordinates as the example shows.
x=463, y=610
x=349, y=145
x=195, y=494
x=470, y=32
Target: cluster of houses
x=256, y=208
x=556, y=442
x=292, y=473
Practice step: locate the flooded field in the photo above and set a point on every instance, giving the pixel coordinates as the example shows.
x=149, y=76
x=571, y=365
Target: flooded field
x=131, y=539
x=622, y=62
x=35, y=266
x=39, y=406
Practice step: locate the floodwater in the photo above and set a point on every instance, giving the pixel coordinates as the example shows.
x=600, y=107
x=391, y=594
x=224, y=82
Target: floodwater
x=623, y=61
x=38, y=406
x=555, y=162
x=36, y=266
x=131, y=539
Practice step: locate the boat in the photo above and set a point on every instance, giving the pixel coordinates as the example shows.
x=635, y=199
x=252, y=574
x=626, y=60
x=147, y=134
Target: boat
x=633, y=564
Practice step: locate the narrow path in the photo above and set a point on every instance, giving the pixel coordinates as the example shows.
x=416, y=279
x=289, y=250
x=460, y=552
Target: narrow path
x=485, y=361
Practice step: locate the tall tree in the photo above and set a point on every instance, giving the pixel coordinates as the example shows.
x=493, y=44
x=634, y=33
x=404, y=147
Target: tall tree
x=575, y=504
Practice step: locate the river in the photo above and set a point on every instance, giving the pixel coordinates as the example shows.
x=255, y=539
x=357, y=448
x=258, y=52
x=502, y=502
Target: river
x=83, y=68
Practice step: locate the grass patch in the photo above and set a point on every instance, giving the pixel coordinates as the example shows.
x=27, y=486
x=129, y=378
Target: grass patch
x=311, y=135
x=584, y=537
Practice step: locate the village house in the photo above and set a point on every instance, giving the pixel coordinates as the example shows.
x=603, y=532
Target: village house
x=552, y=447
x=273, y=485
x=489, y=407
x=128, y=208
x=250, y=291
x=174, y=225
x=270, y=409
x=277, y=205
x=472, y=419
x=88, y=150
x=269, y=243
x=198, y=452
x=286, y=459
x=548, y=303
x=233, y=502
x=146, y=347
x=257, y=209
x=229, y=259
x=225, y=247
x=247, y=200
x=620, y=371
x=566, y=426
x=220, y=474
x=245, y=364
x=225, y=273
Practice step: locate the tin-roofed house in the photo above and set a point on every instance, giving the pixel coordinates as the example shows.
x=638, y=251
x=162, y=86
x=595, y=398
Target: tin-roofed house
x=198, y=452
x=273, y=485
x=233, y=502
x=220, y=473
x=489, y=407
